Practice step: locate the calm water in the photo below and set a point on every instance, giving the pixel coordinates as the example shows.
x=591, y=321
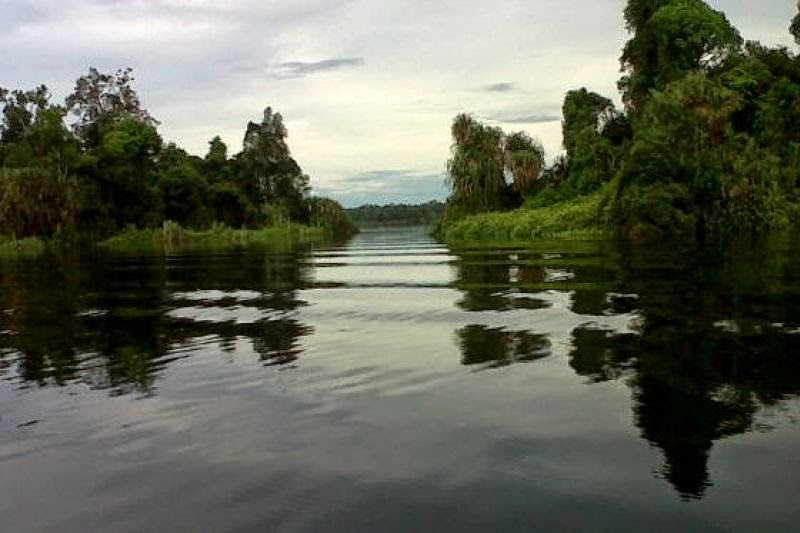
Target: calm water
x=394, y=384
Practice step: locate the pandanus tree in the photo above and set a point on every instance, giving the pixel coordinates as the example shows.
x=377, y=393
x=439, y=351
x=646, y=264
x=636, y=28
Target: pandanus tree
x=482, y=157
x=525, y=161
x=476, y=169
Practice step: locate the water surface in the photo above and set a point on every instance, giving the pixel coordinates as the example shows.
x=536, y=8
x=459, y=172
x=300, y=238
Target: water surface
x=392, y=383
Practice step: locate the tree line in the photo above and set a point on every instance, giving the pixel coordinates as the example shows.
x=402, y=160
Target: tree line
x=427, y=214
x=97, y=164
x=707, y=141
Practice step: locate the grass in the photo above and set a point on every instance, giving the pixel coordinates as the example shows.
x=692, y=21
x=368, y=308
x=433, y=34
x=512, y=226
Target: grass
x=21, y=248
x=171, y=237
x=577, y=219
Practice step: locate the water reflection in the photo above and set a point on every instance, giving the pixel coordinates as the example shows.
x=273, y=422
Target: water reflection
x=704, y=339
x=117, y=324
x=712, y=338
x=496, y=347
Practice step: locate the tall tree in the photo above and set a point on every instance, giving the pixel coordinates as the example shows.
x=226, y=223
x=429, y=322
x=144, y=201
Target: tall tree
x=795, y=27
x=476, y=168
x=525, y=161
x=19, y=110
x=270, y=173
x=217, y=152
x=33, y=133
x=583, y=110
x=588, y=118
x=123, y=164
x=101, y=100
x=670, y=38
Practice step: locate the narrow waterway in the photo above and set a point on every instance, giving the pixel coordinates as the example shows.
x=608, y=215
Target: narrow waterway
x=392, y=383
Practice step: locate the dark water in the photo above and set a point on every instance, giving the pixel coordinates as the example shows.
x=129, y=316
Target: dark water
x=393, y=384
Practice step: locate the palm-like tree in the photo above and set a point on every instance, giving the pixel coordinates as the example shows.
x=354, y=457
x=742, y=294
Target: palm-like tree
x=476, y=169
x=482, y=156
x=525, y=161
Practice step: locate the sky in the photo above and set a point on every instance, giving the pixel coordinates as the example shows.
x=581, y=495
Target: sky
x=367, y=88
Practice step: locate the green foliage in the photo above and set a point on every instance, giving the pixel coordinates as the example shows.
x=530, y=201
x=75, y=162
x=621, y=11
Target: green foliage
x=428, y=214
x=100, y=100
x=23, y=192
x=112, y=170
x=582, y=111
x=671, y=38
x=593, y=134
x=689, y=170
x=580, y=218
x=652, y=210
x=271, y=175
x=709, y=143
x=525, y=161
x=794, y=29
x=482, y=158
x=31, y=247
x=476, y=168
x=185, y=194
x=331, y=216
x=690, y=35
x=217, y=156
x=171, y=237
x=230, y=205
x=33, y=132
x=120, y=170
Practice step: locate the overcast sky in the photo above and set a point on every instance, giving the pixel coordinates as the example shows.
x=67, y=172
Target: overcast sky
x=367, y=88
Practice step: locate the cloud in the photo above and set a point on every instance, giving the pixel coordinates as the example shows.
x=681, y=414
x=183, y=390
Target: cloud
x=299, y=69
x=387, y=186
x=528, y=119
x=500, y=88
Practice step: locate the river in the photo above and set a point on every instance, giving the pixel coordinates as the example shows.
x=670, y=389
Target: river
x=392, y=383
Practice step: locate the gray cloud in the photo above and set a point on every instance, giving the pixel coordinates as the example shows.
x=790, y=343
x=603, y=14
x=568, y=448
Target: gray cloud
x=299, y=69
x=528, y=119
x=387, y=186
x=500, y=88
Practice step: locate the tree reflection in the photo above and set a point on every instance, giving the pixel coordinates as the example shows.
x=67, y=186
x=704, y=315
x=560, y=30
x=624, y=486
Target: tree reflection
x=107, y=323
x=59, y=331
x=495, y=347
x=712, y=338
x=713, y=347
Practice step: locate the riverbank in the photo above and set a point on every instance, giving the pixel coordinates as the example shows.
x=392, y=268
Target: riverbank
x=172, y=237
x=21, y=248
x=580, y=219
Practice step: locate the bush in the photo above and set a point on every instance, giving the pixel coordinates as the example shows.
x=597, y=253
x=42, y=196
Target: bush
x=331, y=216
x=37, y=202
x=647, y=211
x=582, y=218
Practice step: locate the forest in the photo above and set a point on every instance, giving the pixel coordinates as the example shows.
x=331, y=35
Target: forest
x=427, y=214
x=96, y=166
x=707, y=143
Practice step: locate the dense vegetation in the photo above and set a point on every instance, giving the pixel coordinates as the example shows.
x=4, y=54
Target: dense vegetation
x=427, y=214
x=708, y=142
x=97, y=165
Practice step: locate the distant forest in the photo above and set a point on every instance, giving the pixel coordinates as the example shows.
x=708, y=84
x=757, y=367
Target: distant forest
x=427, y=214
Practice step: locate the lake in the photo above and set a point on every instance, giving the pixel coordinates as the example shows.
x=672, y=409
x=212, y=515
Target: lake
x=392, y=383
